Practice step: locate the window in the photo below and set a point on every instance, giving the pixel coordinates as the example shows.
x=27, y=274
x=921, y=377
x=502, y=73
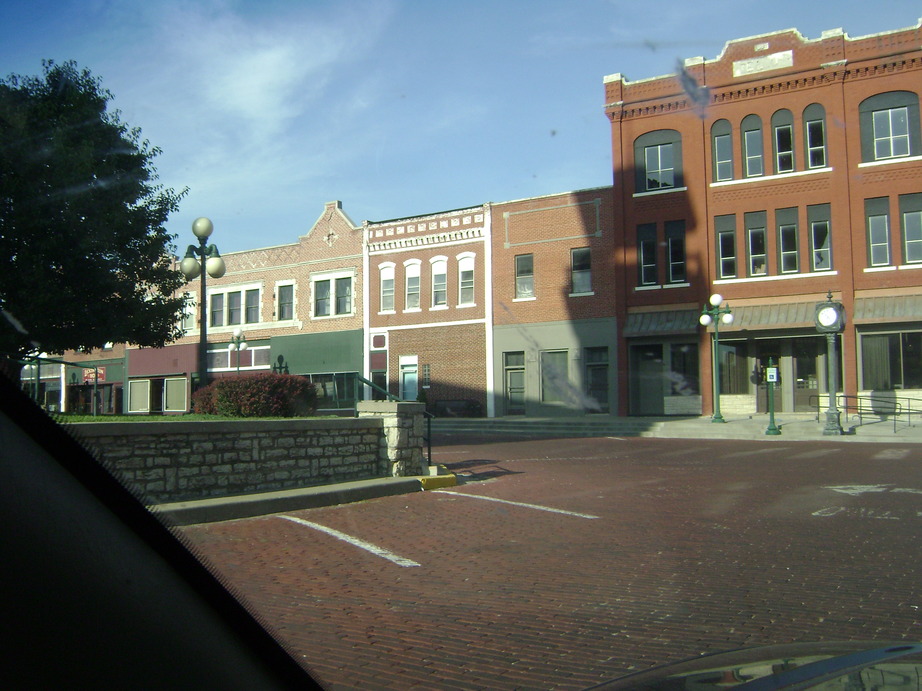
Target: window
x=911, y=227
x=891, y=133
x=217, y=310
x=139, y=396
x=252, y=306
x=820, y=239
x=783, y=140
x=815, y=133
x=286, y=306
x=233, y=307
x=554, y=376
x=174, y=394
x=439, y=282
x=786, y=220
x=756, y=243
x=387, y=286
x=332, y=295
x=878, y=227
x=466, y=279
x=891, y=361
x=658, y=161
x=322, y=299
x=723, y=150
x=646, y=254
x=411, y=269
x=889, y=124
x=524, y=276
x=188, y=313
x=675, y=249
x=343, y=295
x=683, y=369
x=581, y=270
x=752, y=146
x=726, y=245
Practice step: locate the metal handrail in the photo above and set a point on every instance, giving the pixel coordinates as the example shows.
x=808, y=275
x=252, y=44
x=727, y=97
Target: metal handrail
x=871, y=406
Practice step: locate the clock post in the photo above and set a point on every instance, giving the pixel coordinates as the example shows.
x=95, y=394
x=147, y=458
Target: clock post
x=830, y=320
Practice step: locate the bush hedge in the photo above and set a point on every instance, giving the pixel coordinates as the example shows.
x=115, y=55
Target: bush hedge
x=257, y=395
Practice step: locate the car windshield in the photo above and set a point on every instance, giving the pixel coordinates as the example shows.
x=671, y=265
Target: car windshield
x=483, y=345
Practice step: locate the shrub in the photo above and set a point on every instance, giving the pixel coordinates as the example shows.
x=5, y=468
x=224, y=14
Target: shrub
x=257, y=395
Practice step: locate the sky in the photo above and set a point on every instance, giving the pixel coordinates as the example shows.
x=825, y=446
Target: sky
x=267, y=109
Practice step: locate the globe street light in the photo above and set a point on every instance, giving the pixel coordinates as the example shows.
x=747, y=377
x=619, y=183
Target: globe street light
x=238, y=343
x=200, y=261
x=717, y=313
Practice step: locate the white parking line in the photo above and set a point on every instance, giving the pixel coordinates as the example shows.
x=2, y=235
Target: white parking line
x=517, y=503
x=356, y=542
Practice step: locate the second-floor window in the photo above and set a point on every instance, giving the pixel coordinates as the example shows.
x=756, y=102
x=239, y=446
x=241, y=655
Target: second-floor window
x=387, y=287
x=675, y=250
x=646, y=254
x=412, y=270
x=466, y=279
x=911, y=227
x=332, y=296
x=786, y=220
x=439, y=282
x=726, y=246
x=286, y=306
x=524, y=276
x=581, y=270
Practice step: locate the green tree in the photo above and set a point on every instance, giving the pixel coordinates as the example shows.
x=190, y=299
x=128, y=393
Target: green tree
x=84, y=256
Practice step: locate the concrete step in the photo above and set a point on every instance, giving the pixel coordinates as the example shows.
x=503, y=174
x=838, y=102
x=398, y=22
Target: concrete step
x=570, y=427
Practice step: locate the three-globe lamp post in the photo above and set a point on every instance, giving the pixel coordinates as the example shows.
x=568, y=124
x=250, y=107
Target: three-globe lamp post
x=201, y=261
x=715, y=314
x=239, y=344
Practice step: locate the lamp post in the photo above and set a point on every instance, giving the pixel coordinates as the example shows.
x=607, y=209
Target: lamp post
x=200, y=261
x=238, y=343
x=830, y=320
x=715, y=314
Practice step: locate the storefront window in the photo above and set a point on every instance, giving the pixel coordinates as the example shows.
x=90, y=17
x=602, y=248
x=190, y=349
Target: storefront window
x=734, y=368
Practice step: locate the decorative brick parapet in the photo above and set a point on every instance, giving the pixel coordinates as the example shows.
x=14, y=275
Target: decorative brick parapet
x=404, y=434
x=179, y=461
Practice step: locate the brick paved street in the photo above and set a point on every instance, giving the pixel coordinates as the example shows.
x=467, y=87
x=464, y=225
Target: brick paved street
x=671, y=548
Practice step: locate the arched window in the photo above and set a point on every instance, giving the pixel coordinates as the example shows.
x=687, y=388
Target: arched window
x=722, y=147
x=466, y=278
x=815, y=135
x=386, y=277
x=783, y=141
x=889, y=126
x=658, y=161
x=439, y=266
x=753, y=163
x=411, y=271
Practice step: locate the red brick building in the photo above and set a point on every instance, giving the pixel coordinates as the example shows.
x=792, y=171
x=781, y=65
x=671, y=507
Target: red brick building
x=783, y=170
x=554, y=299
x=429, y=309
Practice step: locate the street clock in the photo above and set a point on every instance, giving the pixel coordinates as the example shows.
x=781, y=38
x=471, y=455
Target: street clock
x=830, y=316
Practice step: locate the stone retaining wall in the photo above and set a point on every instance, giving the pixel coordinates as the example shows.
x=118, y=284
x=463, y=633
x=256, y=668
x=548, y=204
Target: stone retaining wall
x=171, y=461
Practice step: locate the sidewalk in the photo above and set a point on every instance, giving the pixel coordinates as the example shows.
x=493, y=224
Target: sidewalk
x=793, y=427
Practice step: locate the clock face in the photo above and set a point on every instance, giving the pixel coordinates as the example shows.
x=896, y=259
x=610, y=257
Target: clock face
x=827, y=316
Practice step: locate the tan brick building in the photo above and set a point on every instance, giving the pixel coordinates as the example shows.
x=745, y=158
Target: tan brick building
x=785, y=169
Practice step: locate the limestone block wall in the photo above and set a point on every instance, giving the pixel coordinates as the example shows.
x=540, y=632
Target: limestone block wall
x=170, y=461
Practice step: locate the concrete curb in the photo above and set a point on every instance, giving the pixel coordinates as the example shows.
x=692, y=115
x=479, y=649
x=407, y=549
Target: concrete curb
x=246, y=506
